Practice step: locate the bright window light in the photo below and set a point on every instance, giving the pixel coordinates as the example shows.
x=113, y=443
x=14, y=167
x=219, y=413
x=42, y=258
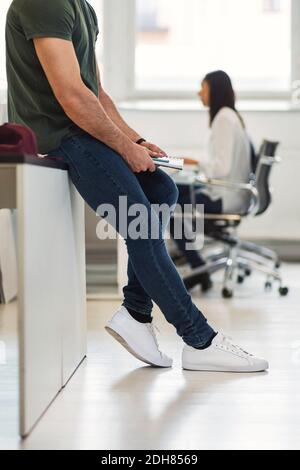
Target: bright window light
x=179, y=41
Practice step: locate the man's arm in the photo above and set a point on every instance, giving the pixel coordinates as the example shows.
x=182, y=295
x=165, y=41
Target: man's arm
x=115, y=116
x=60, y=64
x=113, y=113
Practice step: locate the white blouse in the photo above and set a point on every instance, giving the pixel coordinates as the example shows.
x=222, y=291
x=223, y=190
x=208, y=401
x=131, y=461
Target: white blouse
x=229, y=159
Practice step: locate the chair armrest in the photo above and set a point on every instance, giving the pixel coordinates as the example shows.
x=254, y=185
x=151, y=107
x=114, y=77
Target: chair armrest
x=269, y=160
x=224, y=184
x=250, y=188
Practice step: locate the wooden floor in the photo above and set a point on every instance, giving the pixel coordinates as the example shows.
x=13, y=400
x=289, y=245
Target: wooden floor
x=114, y=402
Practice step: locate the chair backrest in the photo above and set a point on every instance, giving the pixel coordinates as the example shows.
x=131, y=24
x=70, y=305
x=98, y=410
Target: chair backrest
x=266, y=160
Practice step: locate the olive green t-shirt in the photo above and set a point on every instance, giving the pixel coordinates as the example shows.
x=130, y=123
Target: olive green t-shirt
x=31, y=101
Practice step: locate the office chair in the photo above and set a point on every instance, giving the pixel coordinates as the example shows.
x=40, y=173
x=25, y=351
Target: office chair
x=239, y=258
x=261, y=179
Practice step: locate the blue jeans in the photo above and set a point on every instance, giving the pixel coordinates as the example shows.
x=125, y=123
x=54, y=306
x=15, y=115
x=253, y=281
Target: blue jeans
x=101, y=176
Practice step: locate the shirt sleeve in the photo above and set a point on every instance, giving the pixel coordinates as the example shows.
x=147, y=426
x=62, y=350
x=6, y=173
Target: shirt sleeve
x=48, y=18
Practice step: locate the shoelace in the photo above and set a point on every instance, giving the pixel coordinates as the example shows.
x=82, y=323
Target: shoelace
x=153, y=329
x=227, y=344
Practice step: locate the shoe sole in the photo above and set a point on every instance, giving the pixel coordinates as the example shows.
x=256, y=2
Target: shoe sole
x=211, y=369
x=128, y=348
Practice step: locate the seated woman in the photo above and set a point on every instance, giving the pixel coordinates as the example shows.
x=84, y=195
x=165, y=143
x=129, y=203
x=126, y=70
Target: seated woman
x=229, y=159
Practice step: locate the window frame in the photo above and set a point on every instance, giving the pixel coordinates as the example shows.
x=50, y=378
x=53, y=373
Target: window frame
x=119, y=57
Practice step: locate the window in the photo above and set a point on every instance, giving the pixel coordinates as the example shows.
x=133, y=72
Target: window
x=179, y=41
x=272, y=5
x=149, y=18
x=162, y=48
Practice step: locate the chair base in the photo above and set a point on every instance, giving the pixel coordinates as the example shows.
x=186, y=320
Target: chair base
x=239, y=259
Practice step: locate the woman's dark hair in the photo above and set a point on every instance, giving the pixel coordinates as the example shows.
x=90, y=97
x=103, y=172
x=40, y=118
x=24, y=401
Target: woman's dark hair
x=221, y=93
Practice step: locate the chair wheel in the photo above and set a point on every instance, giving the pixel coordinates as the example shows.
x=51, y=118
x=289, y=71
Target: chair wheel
x=277, y=265
x=240, y=279
x=227, y=293
x=248, y=272
x=268, y=285
x=283, y=291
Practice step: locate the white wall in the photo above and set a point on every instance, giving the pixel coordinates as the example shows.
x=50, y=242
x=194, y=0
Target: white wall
x=185, y=132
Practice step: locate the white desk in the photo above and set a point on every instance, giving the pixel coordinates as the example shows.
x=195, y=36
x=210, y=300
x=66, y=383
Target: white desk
x=51, y=278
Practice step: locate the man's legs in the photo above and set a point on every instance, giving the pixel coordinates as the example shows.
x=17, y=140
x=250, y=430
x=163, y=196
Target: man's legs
x=159, y=189
x=102, y=176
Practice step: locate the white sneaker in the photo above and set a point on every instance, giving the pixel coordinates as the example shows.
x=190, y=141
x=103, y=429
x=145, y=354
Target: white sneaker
x=222, y=356
x=138, y=338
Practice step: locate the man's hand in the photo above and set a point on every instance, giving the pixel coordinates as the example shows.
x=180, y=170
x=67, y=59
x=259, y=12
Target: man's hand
x=139, y=158
x=154, y=148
